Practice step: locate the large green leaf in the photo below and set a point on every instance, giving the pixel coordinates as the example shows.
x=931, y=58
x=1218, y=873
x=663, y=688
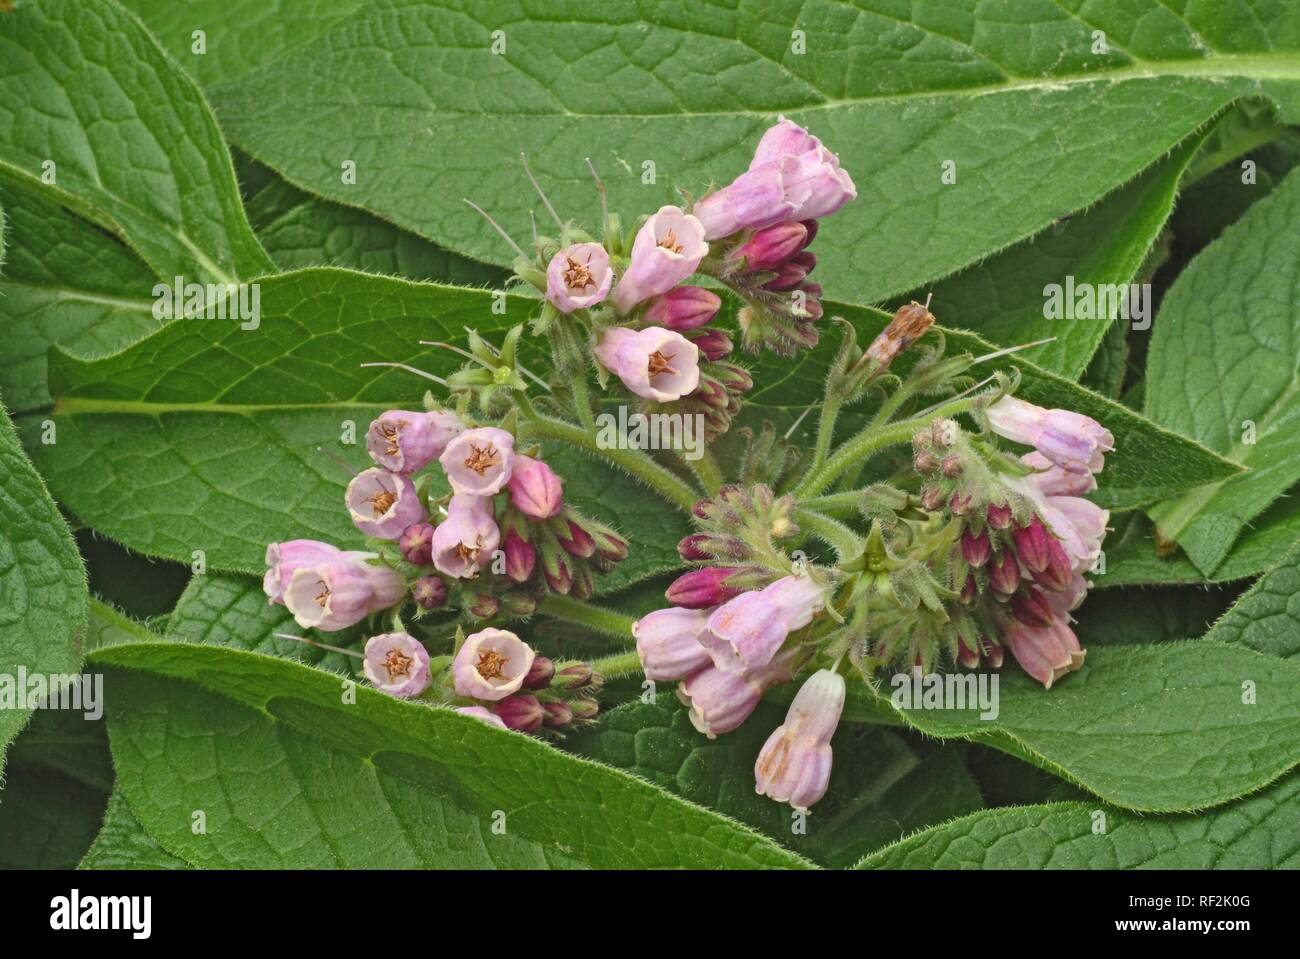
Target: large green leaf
x=1256, y=833
x=381, y=783
x=1224, y=367
x=207, y=436
x=1267, y=617
x=132, y=142
x=414, y=95
x=47, y=820
x=122, y=843
x=1168, y=727
x=881, y=788
x=65, y=282
x=42, y=582
x=1149, y=461
x=1004, y=297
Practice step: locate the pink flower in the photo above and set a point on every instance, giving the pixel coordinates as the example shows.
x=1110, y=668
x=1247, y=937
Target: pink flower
x=1051, y=480
x=668, y=642
x=416, y=544
x=403, y=442
x=772, y=246
x=521, y=557
x=654, y=363
x=523, y=713
x=745, y=633
x=283, y=559
x=397, y=664
x=578, y=277
x=479, y=462
x=668, y=248
x=791, y=177
x=794, y=764
x=383, y=504
x=482, y=713
x=1069, y=440
x=535, y=489
x=719, y=702
x=797, y=599
x=1080, y=525
x=491, y=665
x=464, y=542
x=683, y=308
x=1045, y=653
x=338, y=591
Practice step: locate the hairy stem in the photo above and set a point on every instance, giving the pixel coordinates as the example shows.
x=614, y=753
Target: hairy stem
x=607, y=622
x=847, y=543
x=619, y=664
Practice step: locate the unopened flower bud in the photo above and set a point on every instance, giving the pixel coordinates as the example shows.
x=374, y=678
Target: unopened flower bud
x=701, y=588
x=523, y=713
x=429, y=592
x=999, y=517
x=714, y=344
x=960, y=503
x=932, y=497
x=951, y=466
x=558, y=715
x=575, y=540
x=576, y=676
x=925, y=463
x=416, y=544
x=535, y=490
x=683, y=308
x=485, y=606
x=975, y=549
x=734, y=378
x=1032, y=544
x=1004, y=573
x=584, y=710
x=1031, y=608
x=521, y=557
x=541, y=673
x=968, y=657
x=773, y=245
x=788, y=276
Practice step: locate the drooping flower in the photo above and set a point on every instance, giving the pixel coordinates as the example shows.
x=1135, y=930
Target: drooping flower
x=797, y=600
x=794, y=764
x=683, y=308
x=654, y=363
x=668, y=642
x=720, y=701
x=535, y=489
x=491, y=665
x=283, y=559
x=1045, y=652
x=397, y=664
x=667, y=249
x=1051, y=480
x=745, y=633
x=338, y=591
x=464, y=542
x=578, y=276
x=1080, y=525
x=383, y=504
x=479, y=462
x=1072, y=441
x=402, y=441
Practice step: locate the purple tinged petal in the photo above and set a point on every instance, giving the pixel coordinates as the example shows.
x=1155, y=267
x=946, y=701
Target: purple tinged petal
x=668, y=642
x=491, y=665
x=383, y=504
x=579, y=276
x=397, y=664
x=479, y=462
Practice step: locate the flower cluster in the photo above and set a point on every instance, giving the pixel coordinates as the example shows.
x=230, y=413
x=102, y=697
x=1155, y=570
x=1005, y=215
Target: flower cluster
x=506, y=539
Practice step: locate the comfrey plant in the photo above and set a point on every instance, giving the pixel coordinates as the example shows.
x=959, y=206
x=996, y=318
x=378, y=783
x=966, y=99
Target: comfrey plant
x=979, y=542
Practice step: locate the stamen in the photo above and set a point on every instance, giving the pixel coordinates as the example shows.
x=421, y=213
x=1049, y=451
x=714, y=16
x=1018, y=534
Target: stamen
x=397, y=663
x=482, y=458
x=538, y=187
x=490, y=664
x=504, y=235
x=576, y=276
x=670, y=243
x=381, y=502
x=658, y=363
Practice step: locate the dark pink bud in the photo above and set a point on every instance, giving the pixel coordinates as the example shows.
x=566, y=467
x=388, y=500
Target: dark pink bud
x=578, y=542
x=521, y=557
x=523, y=713
x=1058, y=573
x=558, y=575
x=1031, y=543
x=924, y=463
x=807, y=260
x=951, y=466
x=416, y=544
x=774, y=245
x=540, y=673
x=535, y=490
x=429, y=592
x=702, y=588
x=701, y=508
x=691, y=548
x=1004, y=573
x=584, y=587
x=714, y=344
x=1030, y=607
x=558, y=715
x=812, y=306
x=969, y=590
x=734, y=378
x=788, y=276
x=811, y=227
x=993, y=654
x=976, y=549
x=683, y=308
x=574, y=677
x=485, y=606
x=968, y=657
x=960, y=504
x=610, y=547
x=999, y=517
x=932, y=497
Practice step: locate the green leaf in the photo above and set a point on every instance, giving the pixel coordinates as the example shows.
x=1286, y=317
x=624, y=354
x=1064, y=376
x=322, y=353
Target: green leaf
x=381, y=783
x=47, y=820
x=1045, y=127
x=1133, y=615
x=880, y=790
x=65, y=282
x=122, y=843
x=1257, y=833
x=134, y=146
x=1149, y=462
x=1223, y=367
x=42, y=582
x=1180, y=704
x=319, y=233
x=1267, y=617
x=135, y=584
x=1131, y=557
x=207, y=436
x=1004, y=298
